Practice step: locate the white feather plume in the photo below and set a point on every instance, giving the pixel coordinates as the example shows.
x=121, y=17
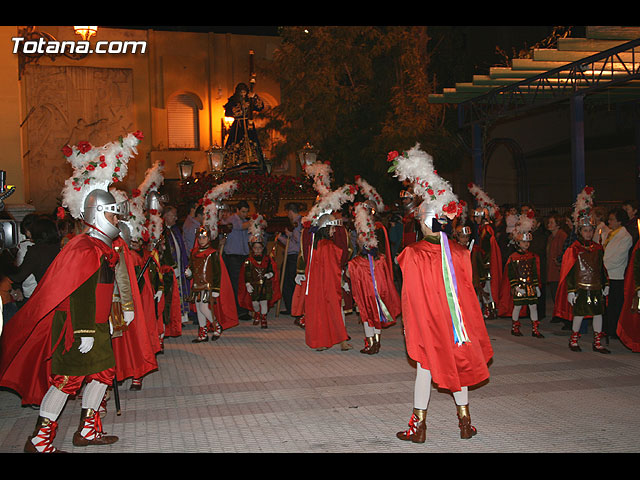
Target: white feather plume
x=331, y=202
x=484, y=200
x=370, y=193
x=365, y=226
x=212, y=202
x=321, y=174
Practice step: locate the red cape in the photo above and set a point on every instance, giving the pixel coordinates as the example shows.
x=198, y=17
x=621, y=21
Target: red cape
x=323, y=310
x=629, y=322
x=135, y=349
x=495, y=267
x=562, y=308
x=25, y=344
x=341, y=239
x=244, y=299
x=505, y=305
x=363, y=293
x=427, y=319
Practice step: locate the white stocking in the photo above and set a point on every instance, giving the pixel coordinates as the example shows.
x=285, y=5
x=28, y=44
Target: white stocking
x=422, y=388
x=597, y=323
x=533, y=312
x=93, y=394
x=264, y=307
x=204, y=314
x=368, y=331
x=577, y=322
x=461, y=397
x=256, y=306
x=52, y=403
x=515, y=315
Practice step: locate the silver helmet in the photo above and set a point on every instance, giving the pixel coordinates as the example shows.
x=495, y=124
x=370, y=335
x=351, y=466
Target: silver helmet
x=125, y=231
x=155, y=201
x=327, y=220
x=97, y=203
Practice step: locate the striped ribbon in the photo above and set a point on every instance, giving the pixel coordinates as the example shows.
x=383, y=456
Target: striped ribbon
x=383, y=312
x=451, y=288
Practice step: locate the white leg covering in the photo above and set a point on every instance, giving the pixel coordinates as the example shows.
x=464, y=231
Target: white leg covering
x=204, y=313
x=577, y=321
x=422, y=388
x=597, y=323
x=533, y=312
x=515, y=314
x=368, y=331
x=256, y=306
x=264, y=307
x=52, y=403
x=93, y=394
x=461, y=397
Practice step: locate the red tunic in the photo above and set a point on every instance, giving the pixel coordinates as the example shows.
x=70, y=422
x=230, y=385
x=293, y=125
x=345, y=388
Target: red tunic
x=629, y=322
x=135, y=350
x=26, y=343
x=427, y=320
x=244, y=298
x=363, y=291
x=323, y=310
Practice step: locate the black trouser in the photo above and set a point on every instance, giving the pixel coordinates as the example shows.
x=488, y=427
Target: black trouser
x=234, y=265
x=289, y=282
x=614, y=307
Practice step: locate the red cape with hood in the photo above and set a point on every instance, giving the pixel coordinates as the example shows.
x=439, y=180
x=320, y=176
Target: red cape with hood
x=562, y=308
x=629, y=322
x=244, y=298
x=135, y=349
x=427, y=319
x=505, y=305
x=323, y=310
x=26, y=343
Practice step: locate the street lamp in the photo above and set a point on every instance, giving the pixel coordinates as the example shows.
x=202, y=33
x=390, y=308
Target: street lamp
x=186, y=168
x=215, y=155
x=307, y=155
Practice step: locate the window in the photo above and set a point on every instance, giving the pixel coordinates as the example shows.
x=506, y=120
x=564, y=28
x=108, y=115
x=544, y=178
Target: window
x=182, y=121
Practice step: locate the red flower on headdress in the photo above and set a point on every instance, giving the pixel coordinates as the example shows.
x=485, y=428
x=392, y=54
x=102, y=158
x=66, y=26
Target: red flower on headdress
x=451, y=207
x=135, y=193
x=60, y=213
x=531, y=213
x=84, y=146
x=67, y=151
x=391, y=156
x=145, y=235
x=138, y=134
x=588, y=190
x=470, y=185
x=91, y=167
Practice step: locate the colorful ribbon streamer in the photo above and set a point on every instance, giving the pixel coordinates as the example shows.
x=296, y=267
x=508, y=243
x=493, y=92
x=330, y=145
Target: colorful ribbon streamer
x=383, y=311
x=451, y=288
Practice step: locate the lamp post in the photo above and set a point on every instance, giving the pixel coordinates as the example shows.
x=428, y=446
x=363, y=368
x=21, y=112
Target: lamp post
x=215, y=156
x=307, y=155
x=186, y=169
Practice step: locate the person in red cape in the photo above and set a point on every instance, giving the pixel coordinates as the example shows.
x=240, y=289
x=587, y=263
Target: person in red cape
x=61, y=337
x=372, y=283
x=583, y=285
x=520, y=288
x=487, y=262
x=342, y=239
x=628, y=329
x=211, y=289
x=259, y=284
x=169, y=304
x=136, y=347
x=298, y=299
x=444, y=328
x=324, y=317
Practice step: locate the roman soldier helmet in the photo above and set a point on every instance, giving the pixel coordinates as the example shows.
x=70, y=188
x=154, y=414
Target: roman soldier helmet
x=321, y=214
x=582, y=209
x=256, y=230
x=373, y=199
x=522, y=230
x=86, y=193
x=486, y=206
x=213, y=204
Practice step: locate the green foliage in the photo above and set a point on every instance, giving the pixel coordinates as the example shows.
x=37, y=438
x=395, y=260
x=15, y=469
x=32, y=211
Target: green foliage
x=356, y=93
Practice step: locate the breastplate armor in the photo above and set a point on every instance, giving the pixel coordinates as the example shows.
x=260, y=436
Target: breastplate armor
x=524, y=269
x=201, y=273
x=588, y=268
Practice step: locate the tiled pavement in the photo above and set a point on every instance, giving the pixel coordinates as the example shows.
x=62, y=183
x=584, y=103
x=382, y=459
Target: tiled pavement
x=264, y=391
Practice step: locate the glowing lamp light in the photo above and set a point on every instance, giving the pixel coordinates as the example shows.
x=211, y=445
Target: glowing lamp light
x=86, y=32
x=186, y=168
x=307, y=155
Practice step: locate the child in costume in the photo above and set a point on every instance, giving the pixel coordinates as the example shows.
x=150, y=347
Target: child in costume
x=521, y=278
x=210, y=287
x=259, y=285
x=372, y=284
x=583, y=277
x=444, y=327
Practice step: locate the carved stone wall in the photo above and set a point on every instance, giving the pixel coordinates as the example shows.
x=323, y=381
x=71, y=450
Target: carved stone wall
x=65, y=105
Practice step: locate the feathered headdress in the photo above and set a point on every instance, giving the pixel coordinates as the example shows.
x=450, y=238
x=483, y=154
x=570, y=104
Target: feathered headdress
x=321, y=174
x=257, y=228
x=416, y=166
x=330, y=202
x=365, y=227
x=212, y=202
x=96, y=168
x=484, y=201
x=524, y=226
x=582, y=208
x=146, y=228
x=370, y=193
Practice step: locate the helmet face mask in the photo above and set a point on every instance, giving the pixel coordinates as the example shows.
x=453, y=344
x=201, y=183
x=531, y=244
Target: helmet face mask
x=96, y=205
